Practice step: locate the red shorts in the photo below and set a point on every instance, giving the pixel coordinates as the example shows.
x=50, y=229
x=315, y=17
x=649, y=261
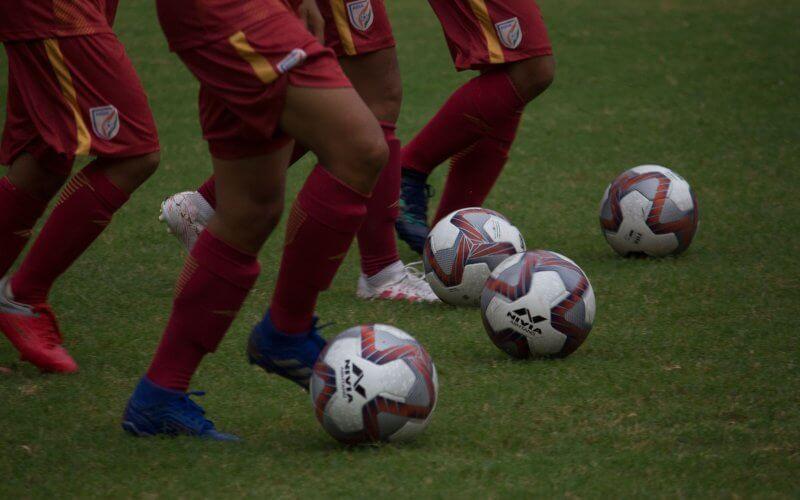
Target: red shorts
x=355, y=27
x=480, y=33
x=243, y=80
x=75, y=96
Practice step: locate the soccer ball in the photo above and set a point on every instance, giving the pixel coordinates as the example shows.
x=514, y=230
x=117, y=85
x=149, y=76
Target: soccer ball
x=374, y=383
x=463, y=248
x=649, y=210
x=538, y=304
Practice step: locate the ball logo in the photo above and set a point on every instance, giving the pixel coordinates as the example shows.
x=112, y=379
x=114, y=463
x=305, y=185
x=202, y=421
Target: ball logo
x=509, y=32
x=360, y=14
x=351, y=376
x=105, y=121
x=525, y=321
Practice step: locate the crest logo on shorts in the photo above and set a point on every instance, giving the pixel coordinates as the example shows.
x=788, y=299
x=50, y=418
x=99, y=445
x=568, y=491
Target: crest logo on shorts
x=509, y=32
x=105, y=121
x=360, y=14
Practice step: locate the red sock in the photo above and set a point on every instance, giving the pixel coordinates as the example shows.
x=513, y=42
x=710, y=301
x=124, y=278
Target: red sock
x=18, y=214
x=376, y=239
x=83, y=211
x=323, y=221
x=477, y=109
x=474, y=171
x=215, y=281
x=208, y=189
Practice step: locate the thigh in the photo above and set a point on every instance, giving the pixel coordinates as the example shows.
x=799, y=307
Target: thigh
x=335, y=124
x=244, y=81
x=376, y=78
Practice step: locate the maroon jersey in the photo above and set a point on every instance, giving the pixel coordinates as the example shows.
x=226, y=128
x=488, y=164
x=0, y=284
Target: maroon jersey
x=37, y=19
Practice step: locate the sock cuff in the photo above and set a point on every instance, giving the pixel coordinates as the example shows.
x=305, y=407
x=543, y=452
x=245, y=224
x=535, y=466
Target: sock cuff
x=388, y=127
x=109, y=193
x=331, y=202
x=239, y=268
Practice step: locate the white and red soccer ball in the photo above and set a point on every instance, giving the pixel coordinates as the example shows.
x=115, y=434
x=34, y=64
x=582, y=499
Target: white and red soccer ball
x=374, y=383
x=463, y=248
x=538, y=304
x=649, y=210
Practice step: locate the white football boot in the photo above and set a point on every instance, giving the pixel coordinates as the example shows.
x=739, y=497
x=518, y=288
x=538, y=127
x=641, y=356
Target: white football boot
x=186, y=214
x=397, y=282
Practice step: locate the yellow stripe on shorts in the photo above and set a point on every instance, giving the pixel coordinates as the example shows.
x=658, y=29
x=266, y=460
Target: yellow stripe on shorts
x=84, y=140
x=343, y=26
x=262, y=68
x=492, y=42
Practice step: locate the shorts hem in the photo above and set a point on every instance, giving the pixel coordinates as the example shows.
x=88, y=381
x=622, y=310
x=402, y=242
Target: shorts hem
x=367, y=48
x=515, y=57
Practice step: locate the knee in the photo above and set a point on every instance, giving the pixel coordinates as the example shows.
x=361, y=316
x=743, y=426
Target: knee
x=256, y=215
x=533, y=76
x=34, y=179
x=372, y=154
x=147, y=165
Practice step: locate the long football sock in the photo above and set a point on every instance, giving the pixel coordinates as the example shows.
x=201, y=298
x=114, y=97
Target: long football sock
x=477, y=109
x=208, y=189
x=474, y=171
x=322, y=224
x=376, y=238
x=18, y=214
x=215, y=281
x=83, y=211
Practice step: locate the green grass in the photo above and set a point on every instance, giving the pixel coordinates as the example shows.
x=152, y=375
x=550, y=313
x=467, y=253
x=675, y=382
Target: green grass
x=688, y=385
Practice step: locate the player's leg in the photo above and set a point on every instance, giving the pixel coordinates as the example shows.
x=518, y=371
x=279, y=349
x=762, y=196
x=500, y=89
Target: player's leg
x=61, y=81
x=322, y=224
x=376, y=78
x=474, y=171
x=24, y=194
x=83, y=211
x=217, y=277
x=474, y=111
x=507, y=40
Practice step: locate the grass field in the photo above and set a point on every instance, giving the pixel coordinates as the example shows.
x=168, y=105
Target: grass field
x=688, y=385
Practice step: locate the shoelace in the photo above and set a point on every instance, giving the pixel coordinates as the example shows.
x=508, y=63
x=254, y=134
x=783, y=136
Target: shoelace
x=412, y=270
x=194, y=413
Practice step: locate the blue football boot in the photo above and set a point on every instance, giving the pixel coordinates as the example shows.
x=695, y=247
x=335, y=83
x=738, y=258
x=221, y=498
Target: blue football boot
x=290, y=356
x=154, y=410
x=412, y=224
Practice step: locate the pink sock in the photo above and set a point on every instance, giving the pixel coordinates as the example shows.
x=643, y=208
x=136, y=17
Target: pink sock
x=18, y=214
x=83, y=211
x=215, y=281
x=322, y=224
x=376, y=238
x=474, y=171
x=478, y=108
